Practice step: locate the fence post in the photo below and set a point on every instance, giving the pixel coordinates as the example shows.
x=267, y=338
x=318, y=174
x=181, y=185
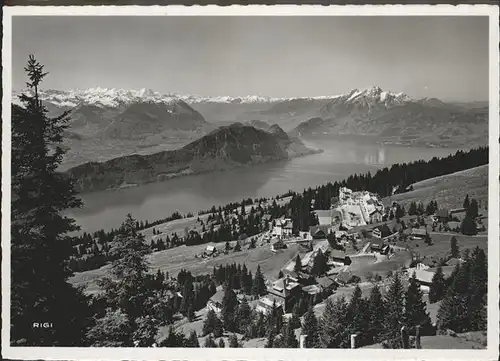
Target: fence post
x=417, y=336
x=353, y=340
x=405, y=339
x=303, y=341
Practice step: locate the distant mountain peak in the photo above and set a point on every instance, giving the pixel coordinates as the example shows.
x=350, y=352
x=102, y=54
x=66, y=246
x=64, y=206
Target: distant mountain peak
x=115, y=97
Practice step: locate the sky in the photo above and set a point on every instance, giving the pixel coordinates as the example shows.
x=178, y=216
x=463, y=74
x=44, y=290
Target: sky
x=442, y=57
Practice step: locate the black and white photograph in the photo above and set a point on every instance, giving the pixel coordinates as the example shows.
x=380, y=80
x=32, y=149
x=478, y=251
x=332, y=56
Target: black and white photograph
x=260, y=178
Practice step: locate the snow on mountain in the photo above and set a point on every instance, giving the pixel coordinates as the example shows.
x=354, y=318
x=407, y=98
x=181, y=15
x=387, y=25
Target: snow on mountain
x=112, y=97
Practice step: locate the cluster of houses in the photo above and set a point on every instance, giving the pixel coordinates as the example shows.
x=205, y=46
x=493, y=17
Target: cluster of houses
x=353, y=209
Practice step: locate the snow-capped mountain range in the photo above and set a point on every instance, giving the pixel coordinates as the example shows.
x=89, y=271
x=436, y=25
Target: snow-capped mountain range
x=104, y=97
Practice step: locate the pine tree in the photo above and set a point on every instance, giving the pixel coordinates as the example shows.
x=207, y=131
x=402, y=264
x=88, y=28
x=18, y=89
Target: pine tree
x=415, y=307
x=473, y=210
x=259, y=285
x=298, y=264
x=376, y=310
x=244, y=315
x=394, y=301
x=357, y=313
x=333, y=324
x=270, y=338
x=209, y=342
x=229, y=305
x=112, y=330
x=130, y=268
x=222, y=344
x=210, y=322
x=145, y=331
x=40, y=244
x=320, y=265
x=466, y=202
x=438, y=286
x=295, y=319
x=233, y=341
x=310, y=329
x=455, y=252
x=289, y=338
x=468, y=226
x=193, y=340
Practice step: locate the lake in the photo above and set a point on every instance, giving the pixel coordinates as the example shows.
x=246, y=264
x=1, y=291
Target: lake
x=341, y=157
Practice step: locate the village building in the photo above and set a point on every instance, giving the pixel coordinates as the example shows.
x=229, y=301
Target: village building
x=324, y=217
x=215, y=302
x=339, y=258
x=210, y=250
x=376, y=216
x=424, y=278
x=457, y=211
x=418, y=233
x=376, y=233
x=343, y=278
x=319, y=232
x=265, y=304
x=453, y=226
x=327, y=284
x=442, y=215
x=380, y=248
x=284, y=291
x=306, y=236
x=283, y=228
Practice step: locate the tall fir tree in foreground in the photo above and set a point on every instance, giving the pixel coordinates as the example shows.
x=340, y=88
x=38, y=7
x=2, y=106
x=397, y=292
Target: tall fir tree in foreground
x=376, y=311
x=40, y=244
x=394, y=302
x=438, y=286
x=415, y=308
x=333, y=331
x=464, y=308
x=310, y=329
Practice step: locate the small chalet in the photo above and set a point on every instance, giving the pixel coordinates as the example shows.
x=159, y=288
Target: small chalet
x=418, y=233
x=210, y=250
x=285, y=290
x=343, y=278
x=312, y=290
x=324, y=217
x=283, y=228
x=376, y=216
x=376, y=233
x=265, y=304
x=318, y=232
x=381, y=231
x=380, y=248
x=457, y=211
x=327, y=284
x=442, y=215
x=424, y=279
x=215, y=302
x=452, y=226
x=340, y=257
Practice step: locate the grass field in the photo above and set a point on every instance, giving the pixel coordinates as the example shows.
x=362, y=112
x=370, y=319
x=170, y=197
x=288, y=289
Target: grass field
x=442, y=244
x=183, y=257
x=469, y=340
x=449, y=190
